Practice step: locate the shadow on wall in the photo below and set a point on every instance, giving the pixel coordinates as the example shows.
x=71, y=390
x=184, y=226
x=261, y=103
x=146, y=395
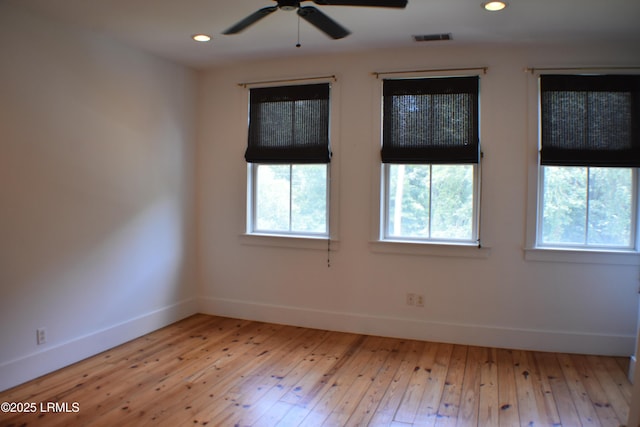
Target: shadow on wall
x=86, y=269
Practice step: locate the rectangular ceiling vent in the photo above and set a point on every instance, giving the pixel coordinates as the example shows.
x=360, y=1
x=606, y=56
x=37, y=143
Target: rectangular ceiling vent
x=432, y=37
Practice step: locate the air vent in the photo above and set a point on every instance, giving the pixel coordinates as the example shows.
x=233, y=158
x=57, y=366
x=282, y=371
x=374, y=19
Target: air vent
x=432, y=37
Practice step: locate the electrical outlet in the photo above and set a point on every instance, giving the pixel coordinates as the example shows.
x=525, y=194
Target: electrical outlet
x=419, y=300
x=411, y=299
x=41, y=336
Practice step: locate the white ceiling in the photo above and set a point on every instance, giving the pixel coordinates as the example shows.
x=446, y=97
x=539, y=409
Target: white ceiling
x=164, y=27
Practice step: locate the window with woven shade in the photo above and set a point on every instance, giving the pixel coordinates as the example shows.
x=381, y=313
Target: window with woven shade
x=288, y=153
x=430, y=155
x=589, y=155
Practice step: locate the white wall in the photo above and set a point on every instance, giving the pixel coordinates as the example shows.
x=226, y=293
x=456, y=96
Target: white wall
x=96, y=194
x=501, y=299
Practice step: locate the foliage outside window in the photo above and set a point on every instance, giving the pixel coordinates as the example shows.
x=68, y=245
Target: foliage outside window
x=288, y=155
x=430, y=153
x=590, y=151
x=290, y=198
x=430, y=201
x=587, y=206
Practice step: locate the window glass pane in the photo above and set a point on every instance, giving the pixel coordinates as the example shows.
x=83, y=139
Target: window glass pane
x=430, y=201
x=309, y=198
x=610, y=206
x=408, y=200
x=272, y=197
x=291, y=198
x=452, y=202
x=587, y=206
x=564, y=206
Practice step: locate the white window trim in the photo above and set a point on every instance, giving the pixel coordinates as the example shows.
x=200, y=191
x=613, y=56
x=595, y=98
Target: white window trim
x=298, y=240
x=405, y=247
x=533, y=252
x=443, y=248
x=290, y=241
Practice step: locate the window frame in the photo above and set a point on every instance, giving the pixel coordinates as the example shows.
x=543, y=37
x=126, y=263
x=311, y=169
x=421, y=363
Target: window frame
x=533, y=249
x=420, y=246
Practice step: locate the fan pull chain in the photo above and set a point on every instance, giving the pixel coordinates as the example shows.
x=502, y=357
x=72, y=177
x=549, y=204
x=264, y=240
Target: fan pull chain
x=298, y=44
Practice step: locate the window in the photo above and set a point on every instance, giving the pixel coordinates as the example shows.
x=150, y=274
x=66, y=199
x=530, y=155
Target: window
x=288, y=156
x=430, y=156
x=590, y=152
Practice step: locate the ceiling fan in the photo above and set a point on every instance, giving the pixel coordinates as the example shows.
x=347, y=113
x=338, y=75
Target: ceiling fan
x=313, y=15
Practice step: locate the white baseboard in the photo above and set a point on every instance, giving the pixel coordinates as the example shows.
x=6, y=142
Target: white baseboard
x=632, y=368
x=427, y=330
x=34, y=365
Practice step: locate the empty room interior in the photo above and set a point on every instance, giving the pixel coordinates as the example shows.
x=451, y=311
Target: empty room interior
x=400, y=184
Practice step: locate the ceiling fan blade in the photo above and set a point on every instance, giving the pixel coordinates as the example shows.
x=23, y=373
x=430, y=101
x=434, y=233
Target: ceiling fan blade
x=323, y=22
x=371, y=3
x=251, y=19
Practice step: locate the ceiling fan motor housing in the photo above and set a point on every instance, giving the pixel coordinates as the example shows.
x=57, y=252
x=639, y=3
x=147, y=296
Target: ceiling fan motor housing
x=288, y=4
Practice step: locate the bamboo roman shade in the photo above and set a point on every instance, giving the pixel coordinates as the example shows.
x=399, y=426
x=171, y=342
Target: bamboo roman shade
x=430, y=120
x=289, y=124
x=590, y=120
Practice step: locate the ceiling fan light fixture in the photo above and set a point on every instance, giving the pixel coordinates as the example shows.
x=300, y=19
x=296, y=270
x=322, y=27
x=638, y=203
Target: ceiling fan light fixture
x=202, y=38
x=494, y=6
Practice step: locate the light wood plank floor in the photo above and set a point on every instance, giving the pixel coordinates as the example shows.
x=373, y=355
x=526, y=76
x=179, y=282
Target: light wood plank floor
x=215, y=371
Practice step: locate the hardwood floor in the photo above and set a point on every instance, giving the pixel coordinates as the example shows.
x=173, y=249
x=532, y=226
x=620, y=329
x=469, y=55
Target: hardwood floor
x=215, y=371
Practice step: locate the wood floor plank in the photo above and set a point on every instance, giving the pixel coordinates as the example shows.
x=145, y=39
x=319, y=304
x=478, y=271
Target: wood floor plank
x=428, y=409
x=595, y=393
x=219, y=385
x=325, y=362
x=507, y=393
x=526, y=390
x=586, y=411
x=260, y=388
x=393, y=395
x=489, y=409
x=619, y=375
x=470, y=399
x=359, y=387
x=546, y=402
x=216, y=371
x=369, y=403
x=412, y=397
x=452, y=390
x=336, y=400
x=614, y=395
x=189, y=391
x=567, y=410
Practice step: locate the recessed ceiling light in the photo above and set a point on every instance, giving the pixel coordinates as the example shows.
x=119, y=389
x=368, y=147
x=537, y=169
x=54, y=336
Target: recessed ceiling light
x=201, y=37
x=494, y=6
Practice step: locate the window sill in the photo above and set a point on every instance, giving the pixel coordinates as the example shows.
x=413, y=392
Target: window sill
x=289, y=241
x=429, y=249
x=582, y=256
